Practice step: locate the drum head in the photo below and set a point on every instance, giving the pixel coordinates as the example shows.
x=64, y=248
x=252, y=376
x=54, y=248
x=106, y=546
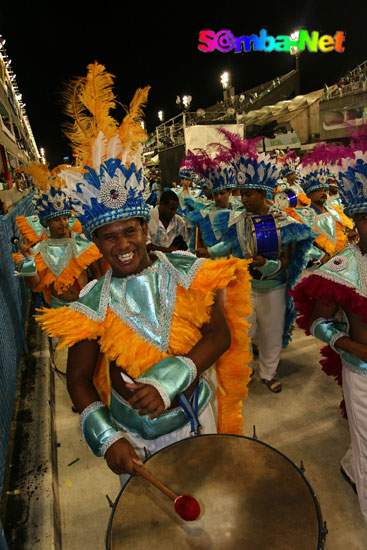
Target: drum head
x=251, y=496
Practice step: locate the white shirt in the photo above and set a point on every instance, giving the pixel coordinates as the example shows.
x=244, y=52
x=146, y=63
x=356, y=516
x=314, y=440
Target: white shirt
x=163, y=236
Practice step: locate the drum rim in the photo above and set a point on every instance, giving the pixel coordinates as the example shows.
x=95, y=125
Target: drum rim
x=313, y=494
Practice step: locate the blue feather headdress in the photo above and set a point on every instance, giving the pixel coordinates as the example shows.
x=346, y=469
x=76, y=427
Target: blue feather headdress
x=50, y=201
x=353, y=183
x=51, y=204
x=108, y=183
x=216, y=173
x=253, y=170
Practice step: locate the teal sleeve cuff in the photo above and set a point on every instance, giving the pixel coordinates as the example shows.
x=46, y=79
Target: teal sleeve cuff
x=97, y=428
x=270, y=268
x=328, y=331
x=170, y=376
x=27, y=267
x=219, y=250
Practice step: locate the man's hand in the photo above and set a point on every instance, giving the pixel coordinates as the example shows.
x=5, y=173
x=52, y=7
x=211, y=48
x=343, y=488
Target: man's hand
x=121, y=457
x=147, y=399
x=25, y=249
x=258, y=261
x=202, y=253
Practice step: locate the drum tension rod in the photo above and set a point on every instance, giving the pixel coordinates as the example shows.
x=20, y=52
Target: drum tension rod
x=254, y=433
x=109, y=501
x=302, y=468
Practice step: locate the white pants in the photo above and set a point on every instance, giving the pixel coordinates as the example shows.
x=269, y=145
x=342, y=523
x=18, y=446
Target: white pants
x=355, y=460
x=267, y=322
x=147, y=447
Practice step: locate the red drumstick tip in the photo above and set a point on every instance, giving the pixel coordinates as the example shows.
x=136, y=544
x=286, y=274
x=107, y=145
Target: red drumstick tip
x=187, y=507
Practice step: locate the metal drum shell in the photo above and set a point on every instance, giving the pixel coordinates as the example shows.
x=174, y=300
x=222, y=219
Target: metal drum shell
x=251, y=496
x=263, y=236
x=289, y=196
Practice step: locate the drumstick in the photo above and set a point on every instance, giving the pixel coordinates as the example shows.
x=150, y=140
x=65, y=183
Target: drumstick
x=196, y=237
x=186, y=506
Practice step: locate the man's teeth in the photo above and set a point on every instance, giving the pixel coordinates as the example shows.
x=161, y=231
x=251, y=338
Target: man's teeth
x=125, y=257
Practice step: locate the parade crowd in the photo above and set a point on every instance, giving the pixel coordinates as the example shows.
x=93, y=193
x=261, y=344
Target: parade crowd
x=151, y=284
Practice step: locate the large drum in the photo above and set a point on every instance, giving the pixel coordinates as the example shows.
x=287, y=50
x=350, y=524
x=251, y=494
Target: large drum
x=251, y=497
x=286, y=198
x=263, y=236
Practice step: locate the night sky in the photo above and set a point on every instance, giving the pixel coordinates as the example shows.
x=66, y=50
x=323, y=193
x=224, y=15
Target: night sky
x=49, y=43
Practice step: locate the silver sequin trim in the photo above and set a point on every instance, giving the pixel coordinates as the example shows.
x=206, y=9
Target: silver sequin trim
x=315, y=322
x=92, y=407
x=190, y=363
x=183, y=280
x=103, y=302
x=110, y=441
x=334, y=339
x=337, y=264
x=159, y=388
x=87, y=288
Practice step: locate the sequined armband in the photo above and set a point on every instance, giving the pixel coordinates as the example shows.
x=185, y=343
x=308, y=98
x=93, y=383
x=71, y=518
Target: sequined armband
x=97, y=428
x=170, y=376
x=27, y=267
x=328, y=331
x=219, y=250
x=271, y=267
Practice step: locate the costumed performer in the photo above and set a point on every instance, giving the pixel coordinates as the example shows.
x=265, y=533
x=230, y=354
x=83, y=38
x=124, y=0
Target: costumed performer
x=57, y=265
x=160, y=319
x=220, y=179
x=273, y=276
x=30, y=228
x=291, y=178
x=340, y=286
x=329, y=223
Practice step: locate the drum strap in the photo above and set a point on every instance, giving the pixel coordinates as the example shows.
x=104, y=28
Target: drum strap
x=191, y=412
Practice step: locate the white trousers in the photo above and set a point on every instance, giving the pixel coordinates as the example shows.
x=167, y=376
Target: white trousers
x=267, y=322
x=355, y=460
x=147, y=447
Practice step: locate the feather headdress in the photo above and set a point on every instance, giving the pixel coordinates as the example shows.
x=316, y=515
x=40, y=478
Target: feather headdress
x=50, y=201
x=314, y=169
x=108, y=183
x=254, y=170
x=214, y=172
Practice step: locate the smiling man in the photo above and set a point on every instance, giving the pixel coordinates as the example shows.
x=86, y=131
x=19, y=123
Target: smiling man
x=161, y=320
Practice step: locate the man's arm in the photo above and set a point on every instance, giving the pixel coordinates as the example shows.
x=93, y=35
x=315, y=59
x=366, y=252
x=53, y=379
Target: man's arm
x=216, y=339
x=82, y=360
x=344, y=343
x=31, y=281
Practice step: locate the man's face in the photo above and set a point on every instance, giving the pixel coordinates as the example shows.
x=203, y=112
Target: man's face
x=222, y=198
x=167, y=211
x=253, y=200
x=319, y=196
x=59, y=227
x=123, y=245
x=291, y=178
x=361, y=226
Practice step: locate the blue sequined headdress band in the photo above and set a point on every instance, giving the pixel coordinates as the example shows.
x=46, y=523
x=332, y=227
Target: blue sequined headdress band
x=109, y=183
x=214, y=172
x=50, y=201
